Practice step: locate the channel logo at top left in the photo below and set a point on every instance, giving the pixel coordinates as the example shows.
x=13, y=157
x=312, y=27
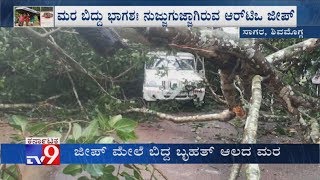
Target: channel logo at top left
x=33, y=16
x=42, y=151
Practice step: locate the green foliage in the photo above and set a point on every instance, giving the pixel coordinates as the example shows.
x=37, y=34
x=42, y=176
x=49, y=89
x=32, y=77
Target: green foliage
x=100, y=129
x=13, y=170
x=52, y=133
x=101, y=172
x=19, y=123
x=73, y=169
x=76, y=131
x=90, y=132
x=125, y=125
x=37, y=128
x=106, y=140
x=94, y=170
x=31, y=72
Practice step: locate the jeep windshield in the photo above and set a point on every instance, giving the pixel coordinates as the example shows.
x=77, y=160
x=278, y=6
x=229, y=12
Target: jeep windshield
x=171, y=64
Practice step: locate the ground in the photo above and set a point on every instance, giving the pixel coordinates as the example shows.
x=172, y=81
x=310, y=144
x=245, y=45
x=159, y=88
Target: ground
x=210, y=132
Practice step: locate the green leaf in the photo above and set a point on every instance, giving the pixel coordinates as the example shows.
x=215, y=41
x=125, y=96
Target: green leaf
x=95, y=170
x=17, y=137
x=91, y=131
x=83, y=178
x=19, y=122
x=52, y=133
x=114, y=120
x=76, y=131
x=37, y=128
x=127, y=136
x=137, y=175
x=109, y=169
x=103, y=121
x=72, y=169
x=125, y=125
x=106, y=140
x=109, y=177
x=12, y=169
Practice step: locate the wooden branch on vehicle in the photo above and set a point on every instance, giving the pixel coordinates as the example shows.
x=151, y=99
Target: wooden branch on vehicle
x=225, y=115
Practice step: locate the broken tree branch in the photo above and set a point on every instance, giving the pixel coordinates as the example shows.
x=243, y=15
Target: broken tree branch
x=125, y=72
x=251, y=127
x=44, y=103
x=228, y=88
x=76, y=93
x=216, y=97
x=222, y=48
x=48, y=33
x=225, y=115
x=66, y=57
x=250, y=130
x=293, y=50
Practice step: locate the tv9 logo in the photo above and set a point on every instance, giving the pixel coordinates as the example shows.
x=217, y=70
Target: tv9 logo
x=42, y=154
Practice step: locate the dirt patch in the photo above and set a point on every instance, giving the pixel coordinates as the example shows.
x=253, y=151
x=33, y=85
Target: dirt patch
x=5, y=132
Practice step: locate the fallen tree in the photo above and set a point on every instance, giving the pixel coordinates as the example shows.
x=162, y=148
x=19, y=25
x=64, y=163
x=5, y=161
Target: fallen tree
x=232, y=55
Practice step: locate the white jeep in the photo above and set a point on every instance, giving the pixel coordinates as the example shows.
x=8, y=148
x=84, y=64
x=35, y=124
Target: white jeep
x=173, y=76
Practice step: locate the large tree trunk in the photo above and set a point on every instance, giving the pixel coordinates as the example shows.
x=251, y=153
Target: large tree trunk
x=225, y=50
x=250, y=131
x=295, y=49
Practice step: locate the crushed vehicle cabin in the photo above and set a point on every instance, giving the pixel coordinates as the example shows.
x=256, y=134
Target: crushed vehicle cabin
x=177, y=76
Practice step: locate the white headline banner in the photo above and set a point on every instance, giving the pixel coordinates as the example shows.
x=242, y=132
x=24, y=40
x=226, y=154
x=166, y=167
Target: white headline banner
x=170, y=16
